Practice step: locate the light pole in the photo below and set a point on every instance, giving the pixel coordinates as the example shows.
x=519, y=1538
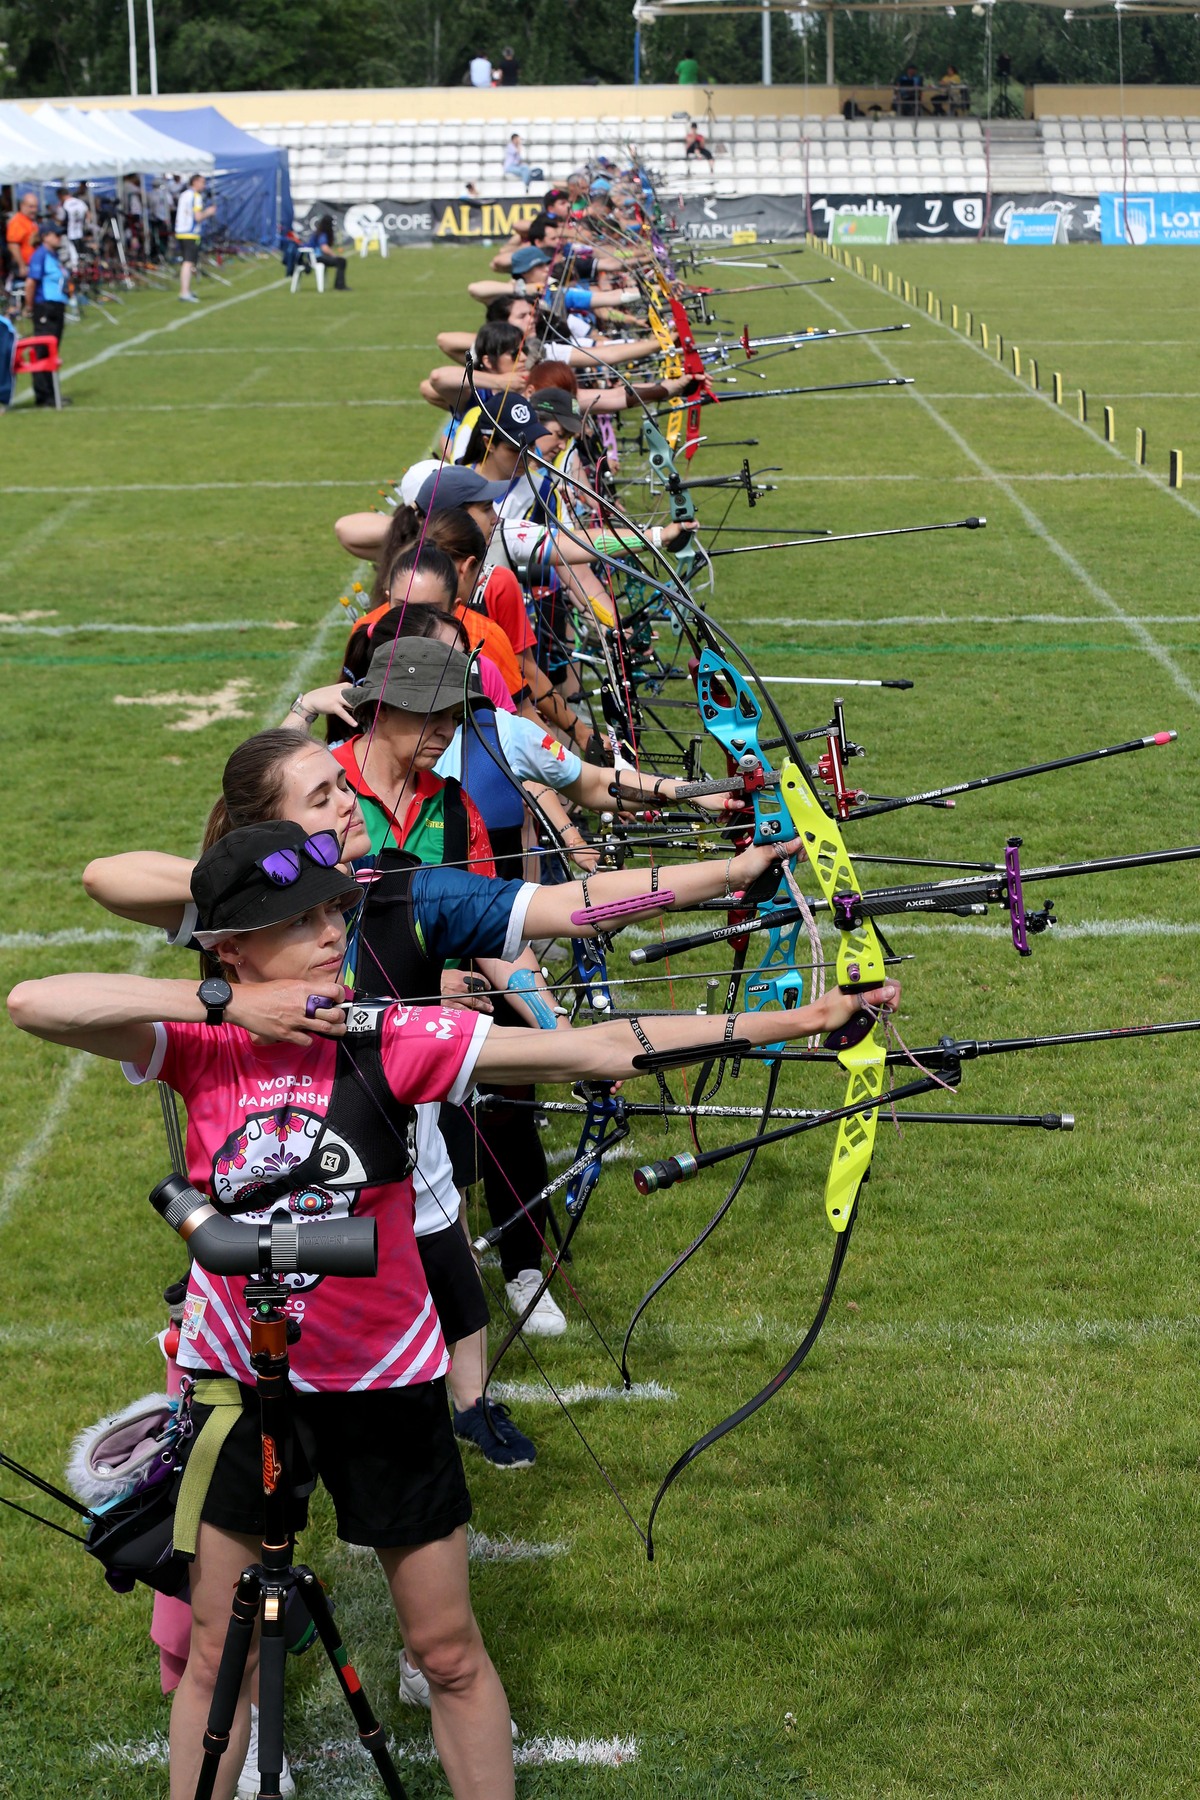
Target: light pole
x=153, y=47
x=133, y=86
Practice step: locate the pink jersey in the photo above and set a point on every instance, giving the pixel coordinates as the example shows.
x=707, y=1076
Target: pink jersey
x=254, y=1110
x=492, y=683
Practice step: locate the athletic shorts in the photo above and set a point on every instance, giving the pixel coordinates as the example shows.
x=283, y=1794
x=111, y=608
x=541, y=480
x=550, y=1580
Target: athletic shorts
x=189, y=249
x=388, y=1457
x=454, y=1282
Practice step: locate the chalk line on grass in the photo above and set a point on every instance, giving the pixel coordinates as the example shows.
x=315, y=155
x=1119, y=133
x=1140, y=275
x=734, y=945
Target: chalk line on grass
x=64, y=940
x=899, y=620
x=191, y=487
x=482, y=1548
x=191, y=317
x=194, y=628
x=1037, y=525
x=973, y=480
x=41, y=533
x=530, y=1393
x=28, y=1158
x=530, y=1753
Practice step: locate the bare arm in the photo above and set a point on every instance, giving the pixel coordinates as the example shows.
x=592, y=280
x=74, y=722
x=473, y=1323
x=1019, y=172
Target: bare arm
x=483, y=291
x=606, y=1052
x=114, y=1015
x=455, y=344
x=550, y=909
x=362, y=534
x=631, y=350
x=145, y=885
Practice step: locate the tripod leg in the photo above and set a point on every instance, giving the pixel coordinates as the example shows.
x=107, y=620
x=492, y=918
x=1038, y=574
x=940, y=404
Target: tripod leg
x=272, y=1653
x=370, y=1731
x=230, y=1674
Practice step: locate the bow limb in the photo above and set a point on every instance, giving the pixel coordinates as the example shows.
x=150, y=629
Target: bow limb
x=860, y=965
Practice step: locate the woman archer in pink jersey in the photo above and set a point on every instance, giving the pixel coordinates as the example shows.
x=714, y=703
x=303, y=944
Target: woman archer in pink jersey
x=253, y=1056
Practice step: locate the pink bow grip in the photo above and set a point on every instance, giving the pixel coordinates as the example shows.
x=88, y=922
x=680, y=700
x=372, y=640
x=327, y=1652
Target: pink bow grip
x=621, y=910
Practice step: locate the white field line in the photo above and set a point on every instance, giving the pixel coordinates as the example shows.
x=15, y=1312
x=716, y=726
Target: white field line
x=1085, y=928
x=558, y=1158
x=1060, y=412
x=531, y=1393
x=191, y=487
x=994, y=394
x=531, y=1753
x=239, y=404
x=481, y=1548
x=973, y=480
x=906, y=619
x=283, y=350
x=28, y=1158
x=191, y=317
x=194, y=628
x=1145, y=637
x=41, y=533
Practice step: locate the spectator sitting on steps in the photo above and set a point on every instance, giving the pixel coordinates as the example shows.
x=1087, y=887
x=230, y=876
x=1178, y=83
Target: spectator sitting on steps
x=694, y=144
x=516, y=165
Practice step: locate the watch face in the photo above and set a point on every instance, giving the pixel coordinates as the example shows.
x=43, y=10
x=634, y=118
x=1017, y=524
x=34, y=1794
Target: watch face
x=215, y=991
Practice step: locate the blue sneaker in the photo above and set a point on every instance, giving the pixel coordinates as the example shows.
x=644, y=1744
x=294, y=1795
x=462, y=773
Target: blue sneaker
x=490, y=1429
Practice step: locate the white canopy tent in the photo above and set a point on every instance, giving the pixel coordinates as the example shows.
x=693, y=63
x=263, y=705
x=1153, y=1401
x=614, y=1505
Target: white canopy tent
x=131, y=145
x=32, y=151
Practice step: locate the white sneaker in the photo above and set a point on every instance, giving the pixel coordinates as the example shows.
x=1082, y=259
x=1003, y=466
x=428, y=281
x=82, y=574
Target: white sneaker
x=248, y=1783
x=547, y=1318
x=414, y=1689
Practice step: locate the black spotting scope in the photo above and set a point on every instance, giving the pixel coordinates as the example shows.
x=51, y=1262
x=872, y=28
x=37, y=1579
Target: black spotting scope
x=282, y=1244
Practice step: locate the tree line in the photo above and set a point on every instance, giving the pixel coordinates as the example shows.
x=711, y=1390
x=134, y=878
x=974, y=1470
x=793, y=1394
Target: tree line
x=81, y=47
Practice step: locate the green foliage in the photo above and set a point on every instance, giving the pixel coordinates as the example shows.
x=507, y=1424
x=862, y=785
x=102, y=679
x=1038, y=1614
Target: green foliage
x=223, y=45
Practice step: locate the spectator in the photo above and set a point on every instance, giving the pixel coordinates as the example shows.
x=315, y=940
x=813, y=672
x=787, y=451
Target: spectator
x=22, y=230
x=687, y=70
x=694, y=144
x=516, y=165
x=471, y=192
x=509, y=69
x=479, y=72
x=906, y=100
x=321, y=241
x=8, y=343
x=78, y=217
x=46, y=290
x=190, y=215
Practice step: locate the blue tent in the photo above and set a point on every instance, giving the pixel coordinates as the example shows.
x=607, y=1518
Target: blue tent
x=254, y=195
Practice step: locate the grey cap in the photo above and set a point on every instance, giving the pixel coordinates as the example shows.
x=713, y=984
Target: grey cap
x=418, y=675
x=449, y=486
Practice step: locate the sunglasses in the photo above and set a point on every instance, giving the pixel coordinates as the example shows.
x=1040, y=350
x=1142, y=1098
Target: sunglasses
x=283, y=866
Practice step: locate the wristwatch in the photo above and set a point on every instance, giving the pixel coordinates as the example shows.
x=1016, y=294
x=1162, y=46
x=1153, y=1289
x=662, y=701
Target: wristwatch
x=214, y=994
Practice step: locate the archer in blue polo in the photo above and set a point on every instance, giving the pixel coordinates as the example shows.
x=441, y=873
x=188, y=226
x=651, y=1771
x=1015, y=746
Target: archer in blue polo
x=46, y=292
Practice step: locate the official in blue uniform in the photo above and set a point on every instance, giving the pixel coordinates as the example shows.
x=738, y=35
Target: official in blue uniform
x=46, y=293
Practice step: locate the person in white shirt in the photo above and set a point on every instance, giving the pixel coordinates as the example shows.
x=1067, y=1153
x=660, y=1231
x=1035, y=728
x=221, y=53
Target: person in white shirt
x=78, y=216
x=481, y=71
x=190, y=214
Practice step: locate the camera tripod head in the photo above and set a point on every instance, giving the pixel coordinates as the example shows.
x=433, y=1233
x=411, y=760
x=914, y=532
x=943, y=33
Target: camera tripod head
x=280, y=1245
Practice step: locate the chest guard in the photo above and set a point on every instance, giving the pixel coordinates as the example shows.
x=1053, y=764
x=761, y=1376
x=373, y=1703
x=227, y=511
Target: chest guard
x=367, y=1137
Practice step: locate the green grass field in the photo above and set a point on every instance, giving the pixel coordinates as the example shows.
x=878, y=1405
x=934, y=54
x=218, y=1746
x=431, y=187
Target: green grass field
x=955, y=1555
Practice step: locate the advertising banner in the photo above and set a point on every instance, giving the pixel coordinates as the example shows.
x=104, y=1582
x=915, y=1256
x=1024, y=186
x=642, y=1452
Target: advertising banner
x=1033, y=228
x=707, y=219
x=1150, y=218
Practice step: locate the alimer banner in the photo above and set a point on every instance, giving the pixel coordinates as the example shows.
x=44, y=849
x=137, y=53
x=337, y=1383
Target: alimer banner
x=1133, y=218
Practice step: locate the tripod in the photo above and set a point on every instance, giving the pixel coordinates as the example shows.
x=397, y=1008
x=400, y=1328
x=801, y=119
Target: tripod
x=1004, y=106
x=263, y=1588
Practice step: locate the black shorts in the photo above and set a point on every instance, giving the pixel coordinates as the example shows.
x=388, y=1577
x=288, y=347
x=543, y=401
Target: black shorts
x=454, y=1282
x=388, y=1457
x=462, y=1143
x=189, y=249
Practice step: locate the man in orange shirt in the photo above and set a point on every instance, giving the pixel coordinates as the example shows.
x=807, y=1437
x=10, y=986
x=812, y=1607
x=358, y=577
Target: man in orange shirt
x=22, y=230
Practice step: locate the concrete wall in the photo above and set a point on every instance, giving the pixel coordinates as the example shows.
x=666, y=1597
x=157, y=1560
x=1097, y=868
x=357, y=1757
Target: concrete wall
x=463, y=103
x=319, y=105
x=1109, y=102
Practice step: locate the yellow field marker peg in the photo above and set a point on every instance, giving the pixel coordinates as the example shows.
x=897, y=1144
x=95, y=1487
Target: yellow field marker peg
x=983, y=334
x=939, y=310
x=1082, y=407
x=891, y=282
x=876, y=274
x=1033, y=373
x=1175, y=472
x=1139, y=447
x=999, y=348
x=969, y=325
x=954, y=315
x=1110, y=425
x=860, y=267
x=1016, y=360
x=1056, y=383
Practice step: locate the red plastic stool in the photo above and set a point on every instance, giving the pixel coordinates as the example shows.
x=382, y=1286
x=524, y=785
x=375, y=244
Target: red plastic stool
x=39, y=356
